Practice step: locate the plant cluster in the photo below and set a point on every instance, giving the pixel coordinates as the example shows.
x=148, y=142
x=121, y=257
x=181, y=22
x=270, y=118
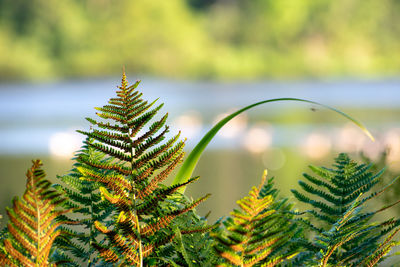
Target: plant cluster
x=113, y=209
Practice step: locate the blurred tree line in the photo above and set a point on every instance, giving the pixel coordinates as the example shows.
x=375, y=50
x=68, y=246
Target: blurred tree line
x=222, y=39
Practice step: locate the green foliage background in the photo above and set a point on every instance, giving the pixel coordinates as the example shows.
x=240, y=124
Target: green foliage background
x=238, y=39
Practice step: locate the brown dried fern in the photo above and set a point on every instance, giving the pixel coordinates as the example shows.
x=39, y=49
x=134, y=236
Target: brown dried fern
x=32, y=226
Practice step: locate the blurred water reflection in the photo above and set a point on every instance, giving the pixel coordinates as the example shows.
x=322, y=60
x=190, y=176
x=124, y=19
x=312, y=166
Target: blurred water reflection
x=39, y=120
x=30, y=114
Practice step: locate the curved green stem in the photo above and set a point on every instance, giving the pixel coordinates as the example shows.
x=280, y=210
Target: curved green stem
x=188, y=166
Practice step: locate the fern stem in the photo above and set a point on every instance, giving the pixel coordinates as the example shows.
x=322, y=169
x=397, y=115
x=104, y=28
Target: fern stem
x=140, y=239
x=325, y=259
x=132, y=152
x=91, y=229
x=37, y=201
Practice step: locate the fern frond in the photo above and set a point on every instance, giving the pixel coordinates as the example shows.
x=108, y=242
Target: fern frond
x=108, y=126
x=153, y=184
x=85, y=197
x=256, y=234
x=166, y=219
x=32, y=225
x=160, y=195
x=136, y=157
x=342, y=230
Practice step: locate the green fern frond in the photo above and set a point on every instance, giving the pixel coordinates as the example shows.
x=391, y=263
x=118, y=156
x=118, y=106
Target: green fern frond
x=84, y=196
x=194, y=247
x=343, y=231
x=128, y=176
x=32, y=227
x=340, y=234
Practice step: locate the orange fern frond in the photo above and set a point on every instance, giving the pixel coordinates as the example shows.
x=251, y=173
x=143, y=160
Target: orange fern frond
x=32, y=225
x=254, y=235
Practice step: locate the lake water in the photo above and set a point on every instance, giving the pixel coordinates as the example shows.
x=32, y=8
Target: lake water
x=39, y=120
x=31, y=113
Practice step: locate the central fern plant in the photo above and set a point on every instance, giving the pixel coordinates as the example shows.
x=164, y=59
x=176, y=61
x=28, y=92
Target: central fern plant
x=122, y=168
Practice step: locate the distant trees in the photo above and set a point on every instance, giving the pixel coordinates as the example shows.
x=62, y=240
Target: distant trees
x=199, y=39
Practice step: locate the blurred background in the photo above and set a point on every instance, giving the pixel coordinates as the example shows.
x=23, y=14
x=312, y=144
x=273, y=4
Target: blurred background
x=203, y=59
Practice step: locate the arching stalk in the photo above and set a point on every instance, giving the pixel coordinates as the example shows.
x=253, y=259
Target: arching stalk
x=187, y=168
